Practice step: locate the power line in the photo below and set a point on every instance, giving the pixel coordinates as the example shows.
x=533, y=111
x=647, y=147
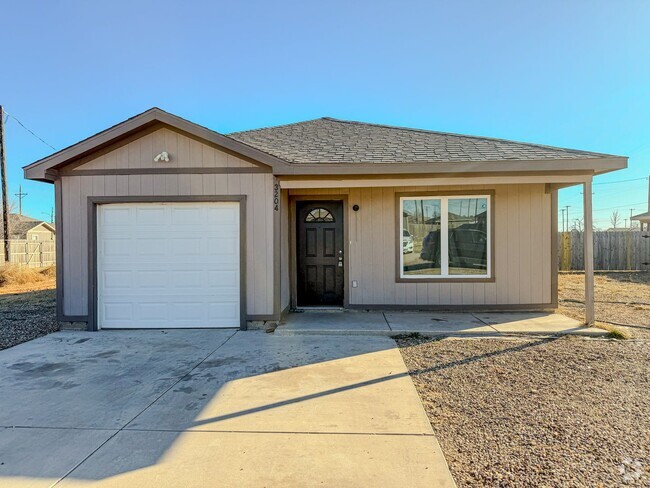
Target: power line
x=29, y=130
x=619, y=206
x=620, y=181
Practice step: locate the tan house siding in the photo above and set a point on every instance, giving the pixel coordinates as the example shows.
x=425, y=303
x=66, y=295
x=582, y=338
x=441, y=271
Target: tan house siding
x=42, y=235
x=285, y=280
x=184, y=153
x=522, y=249
x=257, y=187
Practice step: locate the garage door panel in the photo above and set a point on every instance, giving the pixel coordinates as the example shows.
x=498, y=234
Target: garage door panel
x=150, y=246
x=119, y=217
x=221, y=216
x=181, y=247
x=152, y=311
x=224, y=314
x=189, y=216
x=116, y=311
x=168, y=265
x=119, y=279
x=223, y=279
x=117, y=247
x=150, y=216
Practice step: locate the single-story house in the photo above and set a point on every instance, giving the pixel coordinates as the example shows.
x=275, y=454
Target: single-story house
x=165, y=223
x=644, y=219
x=22, y=227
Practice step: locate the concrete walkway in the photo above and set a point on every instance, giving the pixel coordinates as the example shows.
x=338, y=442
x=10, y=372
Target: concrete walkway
x=432, y=324
x=199, y=408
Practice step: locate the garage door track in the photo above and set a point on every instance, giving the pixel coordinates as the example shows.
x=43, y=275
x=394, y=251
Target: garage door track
x=212, y=408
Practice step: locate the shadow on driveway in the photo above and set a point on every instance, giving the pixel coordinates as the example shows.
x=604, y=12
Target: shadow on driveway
x=132, y=407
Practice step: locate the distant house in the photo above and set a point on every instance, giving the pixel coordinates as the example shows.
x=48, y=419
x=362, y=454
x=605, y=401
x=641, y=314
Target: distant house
x=22, y=227
x=32, y=242
x=644, y=220
x=622, y=229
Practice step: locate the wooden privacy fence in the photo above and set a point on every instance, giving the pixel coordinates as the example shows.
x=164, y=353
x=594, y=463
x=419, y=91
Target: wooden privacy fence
x=30, y=253
x=616, y=251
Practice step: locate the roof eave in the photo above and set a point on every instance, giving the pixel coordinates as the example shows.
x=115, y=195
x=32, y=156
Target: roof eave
x=593, y=165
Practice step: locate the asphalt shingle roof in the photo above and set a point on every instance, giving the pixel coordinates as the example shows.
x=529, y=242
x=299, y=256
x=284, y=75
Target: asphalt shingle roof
x=328, y=140
x=19, y=225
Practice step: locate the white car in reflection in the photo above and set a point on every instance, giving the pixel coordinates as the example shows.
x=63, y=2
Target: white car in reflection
x=407, y=242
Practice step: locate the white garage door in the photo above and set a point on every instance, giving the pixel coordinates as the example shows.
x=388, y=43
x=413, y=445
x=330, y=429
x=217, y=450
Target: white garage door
x=164, y=265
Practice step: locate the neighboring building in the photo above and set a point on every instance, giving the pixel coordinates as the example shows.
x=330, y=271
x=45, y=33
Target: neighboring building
x=644, y=220
x=31, y=242
x=22, y=227
x=164, y=223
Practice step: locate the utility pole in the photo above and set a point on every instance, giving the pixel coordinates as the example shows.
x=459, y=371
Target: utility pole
x=51, y=214
x=567, y=217
x=3, y=177
x=631, y=210
x=20, y=196
x=562, y=210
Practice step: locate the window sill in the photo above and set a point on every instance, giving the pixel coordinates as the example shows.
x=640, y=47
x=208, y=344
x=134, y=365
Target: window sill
x=490, y=279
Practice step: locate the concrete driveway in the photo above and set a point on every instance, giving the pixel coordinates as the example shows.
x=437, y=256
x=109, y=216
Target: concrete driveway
x=212, y=408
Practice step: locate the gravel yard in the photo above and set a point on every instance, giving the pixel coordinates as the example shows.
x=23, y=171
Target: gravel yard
x=621, y=298
x=27, y=312
x=538, y=412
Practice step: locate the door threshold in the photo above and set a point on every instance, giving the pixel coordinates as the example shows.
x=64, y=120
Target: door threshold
x=318, y=309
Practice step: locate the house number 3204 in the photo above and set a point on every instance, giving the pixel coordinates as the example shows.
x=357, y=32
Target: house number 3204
x=276, y=197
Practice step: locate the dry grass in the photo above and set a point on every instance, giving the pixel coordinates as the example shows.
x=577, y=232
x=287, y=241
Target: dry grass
x=622, y=300
x=614, y=332
x=18, y=279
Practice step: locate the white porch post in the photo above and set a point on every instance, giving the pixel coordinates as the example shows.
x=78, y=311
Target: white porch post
x=588, y=254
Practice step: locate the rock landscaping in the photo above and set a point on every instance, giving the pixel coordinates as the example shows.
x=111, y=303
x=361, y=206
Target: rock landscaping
x=622, y=300
x=26, y=315
x=538, y=412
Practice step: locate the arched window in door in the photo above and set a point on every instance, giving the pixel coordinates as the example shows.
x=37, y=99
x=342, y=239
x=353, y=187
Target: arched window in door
x=319, y=215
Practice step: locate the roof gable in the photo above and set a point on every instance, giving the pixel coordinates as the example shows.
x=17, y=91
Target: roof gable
x=46, y=168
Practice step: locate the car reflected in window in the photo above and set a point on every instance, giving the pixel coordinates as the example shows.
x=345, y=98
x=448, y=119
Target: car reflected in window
x=407, y=242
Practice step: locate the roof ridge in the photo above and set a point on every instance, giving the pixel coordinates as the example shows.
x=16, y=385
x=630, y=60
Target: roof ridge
x=470, y=136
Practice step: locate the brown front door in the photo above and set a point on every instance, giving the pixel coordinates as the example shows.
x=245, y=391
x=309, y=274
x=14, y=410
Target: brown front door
x=320, y=253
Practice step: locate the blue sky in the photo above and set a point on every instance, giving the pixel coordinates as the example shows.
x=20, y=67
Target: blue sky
x=573, y=74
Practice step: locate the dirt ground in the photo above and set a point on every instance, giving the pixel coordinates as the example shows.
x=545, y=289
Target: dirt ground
x=622, y=299
x=540, y=412
x=27, y=312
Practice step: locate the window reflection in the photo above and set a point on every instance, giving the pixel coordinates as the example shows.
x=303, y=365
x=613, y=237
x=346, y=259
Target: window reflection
x=467, y=236
x=421, y=236
x=445, y=236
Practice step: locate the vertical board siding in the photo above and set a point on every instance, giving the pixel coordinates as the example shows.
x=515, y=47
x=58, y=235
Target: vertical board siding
x=285, y=279
x=137, y=154
x=184, y=152
x=522, y=246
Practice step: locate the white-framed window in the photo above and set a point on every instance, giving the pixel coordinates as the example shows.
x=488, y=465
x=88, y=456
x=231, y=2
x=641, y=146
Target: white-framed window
x=445, y=237
x=34, y=237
